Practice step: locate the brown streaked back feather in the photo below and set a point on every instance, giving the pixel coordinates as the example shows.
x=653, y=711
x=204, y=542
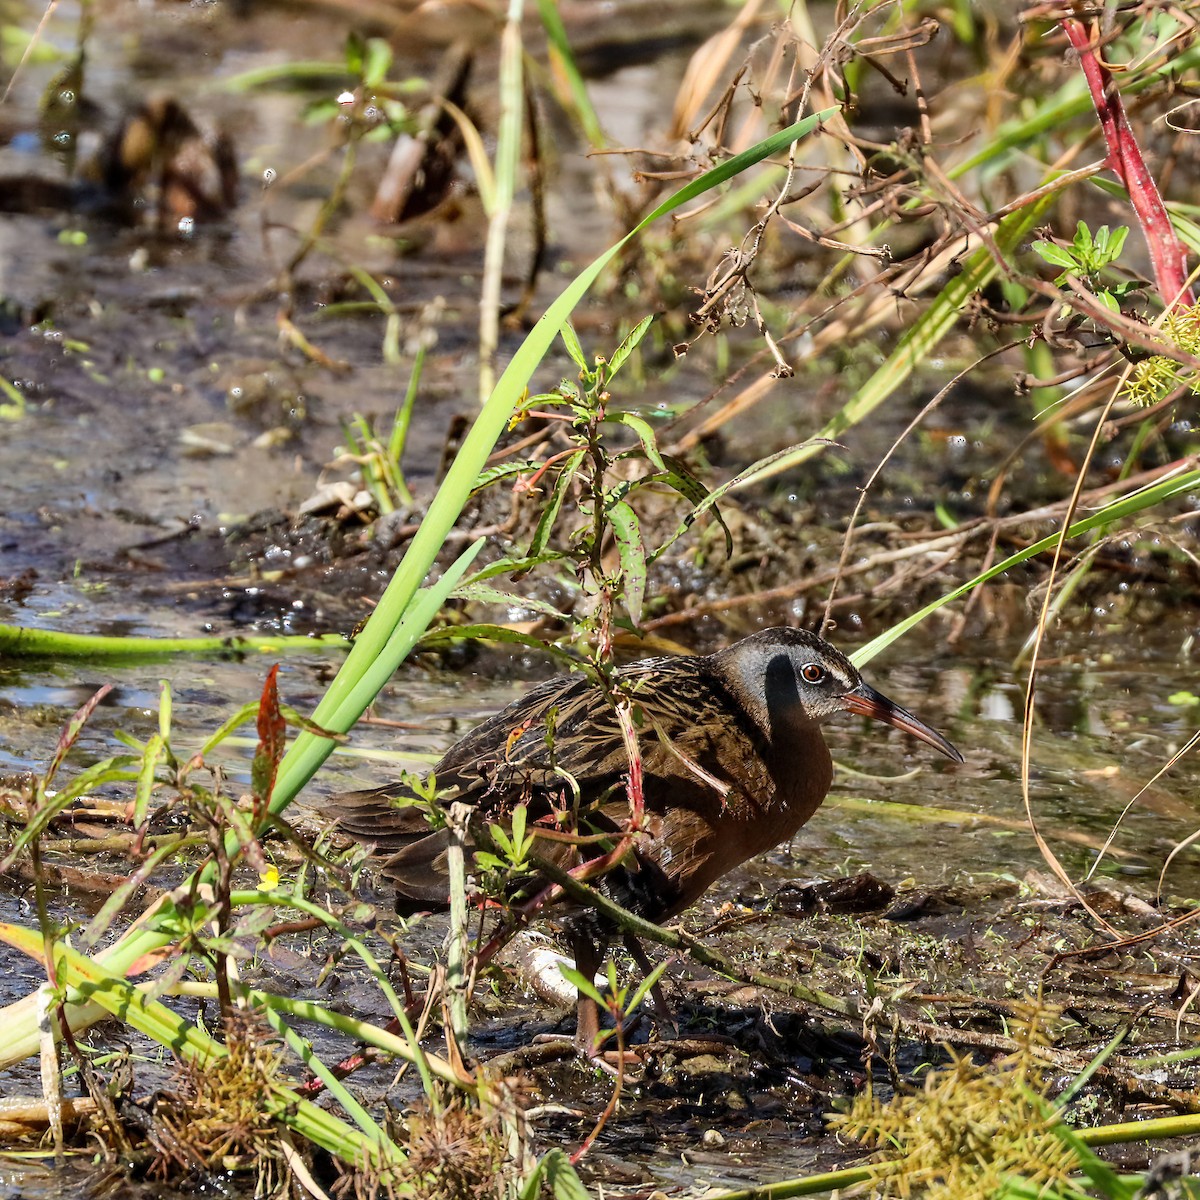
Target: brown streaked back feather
x=560, y=748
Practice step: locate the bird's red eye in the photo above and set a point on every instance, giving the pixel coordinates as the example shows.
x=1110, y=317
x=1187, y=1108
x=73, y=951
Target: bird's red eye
x=811, y=673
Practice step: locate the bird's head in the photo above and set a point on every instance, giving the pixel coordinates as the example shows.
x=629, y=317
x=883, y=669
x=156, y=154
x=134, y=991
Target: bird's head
x=791, y=676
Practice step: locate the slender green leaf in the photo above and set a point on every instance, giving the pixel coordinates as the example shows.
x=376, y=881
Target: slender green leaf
x=505, y=470
x=581, y=983
x=232, y=723
x=482, y=594
x=164, y=711
x=645, y=434
x=628, y=345
x=644, y=987
x=513, y=566
x=691, y=489
x=627, y=531
x=482, y=632
x=570, y=340
x=155, y=753
x=553, y=506
x=1056, y=255
x=563, y=57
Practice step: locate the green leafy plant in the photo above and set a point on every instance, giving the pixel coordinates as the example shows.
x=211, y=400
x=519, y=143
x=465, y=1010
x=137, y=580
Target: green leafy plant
x=976, y=1133
x=619, y=1000
x=604, y=485
x=1087, y=257
x=511, y=848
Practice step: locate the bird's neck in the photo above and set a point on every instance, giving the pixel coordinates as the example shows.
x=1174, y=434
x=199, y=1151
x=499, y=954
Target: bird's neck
x=791, y=743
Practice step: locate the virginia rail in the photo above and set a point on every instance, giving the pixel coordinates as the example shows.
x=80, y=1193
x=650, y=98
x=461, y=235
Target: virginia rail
x=733, y=763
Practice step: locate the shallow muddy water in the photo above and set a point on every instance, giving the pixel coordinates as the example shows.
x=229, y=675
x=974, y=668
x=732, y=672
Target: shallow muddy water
x=162, y=412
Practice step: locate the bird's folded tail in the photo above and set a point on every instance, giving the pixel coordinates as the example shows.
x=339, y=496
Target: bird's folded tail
x=380, y=816
x=416, y=862
x=420, y=874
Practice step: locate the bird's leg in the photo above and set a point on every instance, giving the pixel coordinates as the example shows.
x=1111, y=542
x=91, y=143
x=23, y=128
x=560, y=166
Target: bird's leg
x=588, y=956
x=662, y=1009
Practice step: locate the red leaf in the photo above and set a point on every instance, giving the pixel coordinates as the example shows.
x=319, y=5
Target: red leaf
x=272, y=739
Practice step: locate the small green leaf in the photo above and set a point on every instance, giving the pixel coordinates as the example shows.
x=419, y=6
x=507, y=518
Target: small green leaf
x=582, y=984
x=499, y=835
x=627, y=347
x=1057, y=255
x=503, y=471
x=355, y=53
x=164, y=710
x=145, y=784
x=645, y=434
x=574, y=349
x=522, y=842
x=945, y=519
x=644, y=987
x=513, y=566
x=518, y=823
x=628, y=533
x=481, y=593
x=377, y=61
x=556, y=1173
x=545, y=525
x=482, y=632
x=701, y=499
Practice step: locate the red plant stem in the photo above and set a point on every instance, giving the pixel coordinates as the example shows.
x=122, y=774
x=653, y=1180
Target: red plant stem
x=527, y=485
x=634, y=781
x=1167, y=254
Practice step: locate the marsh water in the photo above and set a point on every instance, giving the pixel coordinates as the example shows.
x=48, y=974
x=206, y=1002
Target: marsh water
x=168, y=437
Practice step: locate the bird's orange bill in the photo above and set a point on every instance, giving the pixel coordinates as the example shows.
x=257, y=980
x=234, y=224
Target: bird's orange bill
x=870, y=703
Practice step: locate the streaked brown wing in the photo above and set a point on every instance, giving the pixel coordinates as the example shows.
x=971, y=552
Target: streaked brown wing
x=689, y=734
x=567, y=727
